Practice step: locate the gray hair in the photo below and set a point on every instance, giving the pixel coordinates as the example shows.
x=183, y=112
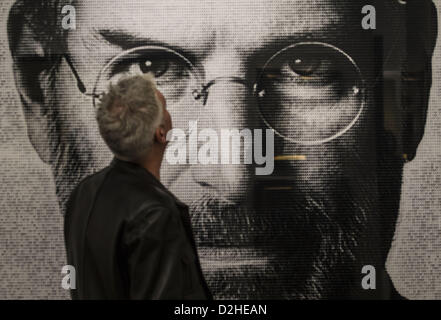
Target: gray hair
x=128, y=116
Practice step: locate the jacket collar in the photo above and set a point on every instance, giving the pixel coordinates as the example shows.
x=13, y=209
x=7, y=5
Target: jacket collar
x=134, y=167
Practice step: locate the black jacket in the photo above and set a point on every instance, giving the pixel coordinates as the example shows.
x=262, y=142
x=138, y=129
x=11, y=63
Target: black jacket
x=128, y=237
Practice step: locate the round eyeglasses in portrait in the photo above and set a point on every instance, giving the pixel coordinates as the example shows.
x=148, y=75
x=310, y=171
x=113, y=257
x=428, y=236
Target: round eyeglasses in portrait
x=308, y=93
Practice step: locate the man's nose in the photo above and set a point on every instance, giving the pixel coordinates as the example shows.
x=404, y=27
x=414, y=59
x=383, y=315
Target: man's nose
x=230, y=105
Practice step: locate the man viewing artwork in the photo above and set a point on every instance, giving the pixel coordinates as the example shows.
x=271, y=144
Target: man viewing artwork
x=125, y=233
x=306, y=71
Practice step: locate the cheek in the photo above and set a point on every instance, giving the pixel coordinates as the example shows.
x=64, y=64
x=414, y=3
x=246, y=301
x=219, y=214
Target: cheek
x=350, y=158
x=76, y=123
x=74, y=109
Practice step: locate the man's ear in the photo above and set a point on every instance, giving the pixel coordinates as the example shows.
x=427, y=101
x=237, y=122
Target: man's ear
x=161, y=135
x=31, y=67
x=422, y=29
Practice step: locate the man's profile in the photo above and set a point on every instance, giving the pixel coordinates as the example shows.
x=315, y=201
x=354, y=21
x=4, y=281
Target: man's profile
x=305, y=69
x=125, y=233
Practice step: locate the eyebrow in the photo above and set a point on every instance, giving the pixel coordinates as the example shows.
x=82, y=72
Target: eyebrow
x=127, y=41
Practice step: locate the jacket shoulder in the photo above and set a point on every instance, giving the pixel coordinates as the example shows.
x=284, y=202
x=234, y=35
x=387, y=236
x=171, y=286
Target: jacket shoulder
x=85, y=184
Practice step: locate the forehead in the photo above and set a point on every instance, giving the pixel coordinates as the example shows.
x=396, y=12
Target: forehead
x=238, y=23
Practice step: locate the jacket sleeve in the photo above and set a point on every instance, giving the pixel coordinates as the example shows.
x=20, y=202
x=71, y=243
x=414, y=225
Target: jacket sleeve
x=153, y=240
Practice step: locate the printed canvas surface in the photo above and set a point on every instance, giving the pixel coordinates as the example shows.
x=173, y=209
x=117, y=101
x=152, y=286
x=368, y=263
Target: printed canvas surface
x=339, y=102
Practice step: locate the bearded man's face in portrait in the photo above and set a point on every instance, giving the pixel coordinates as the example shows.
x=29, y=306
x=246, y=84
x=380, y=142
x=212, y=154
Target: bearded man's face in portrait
x=307, y=70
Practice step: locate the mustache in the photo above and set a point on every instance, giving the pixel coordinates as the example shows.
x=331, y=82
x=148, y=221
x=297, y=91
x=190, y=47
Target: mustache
x=282, y=220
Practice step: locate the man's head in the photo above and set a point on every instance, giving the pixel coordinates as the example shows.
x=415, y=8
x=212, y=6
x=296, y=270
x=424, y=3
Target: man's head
x=328, y=208
x=132, y=118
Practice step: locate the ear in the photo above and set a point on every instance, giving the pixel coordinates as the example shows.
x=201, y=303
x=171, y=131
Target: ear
x=417, y=73
x=161, y=135
x=31, y=67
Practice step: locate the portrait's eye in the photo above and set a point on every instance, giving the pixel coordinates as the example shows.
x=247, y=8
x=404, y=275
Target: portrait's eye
x=309, y=72
x=157, y=67
x=175, y=77
x=166, y=68
x=313, y=69
x=304, y=66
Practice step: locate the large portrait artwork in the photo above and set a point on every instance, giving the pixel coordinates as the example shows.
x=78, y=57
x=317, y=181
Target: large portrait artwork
x=307, y=146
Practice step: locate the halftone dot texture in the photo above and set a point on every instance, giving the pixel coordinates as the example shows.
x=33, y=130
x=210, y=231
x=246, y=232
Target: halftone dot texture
x=31, y=223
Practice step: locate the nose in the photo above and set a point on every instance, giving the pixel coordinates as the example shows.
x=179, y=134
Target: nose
x=229, y=106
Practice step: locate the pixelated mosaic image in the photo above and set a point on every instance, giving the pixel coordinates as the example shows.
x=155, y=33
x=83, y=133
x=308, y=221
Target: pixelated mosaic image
x=348, y=91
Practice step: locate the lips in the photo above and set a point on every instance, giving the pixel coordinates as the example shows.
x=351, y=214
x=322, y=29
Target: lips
x=235, y=257
x=242, y=273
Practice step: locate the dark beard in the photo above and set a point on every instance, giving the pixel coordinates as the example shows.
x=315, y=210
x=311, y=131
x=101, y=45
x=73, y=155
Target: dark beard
x=312, y=240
